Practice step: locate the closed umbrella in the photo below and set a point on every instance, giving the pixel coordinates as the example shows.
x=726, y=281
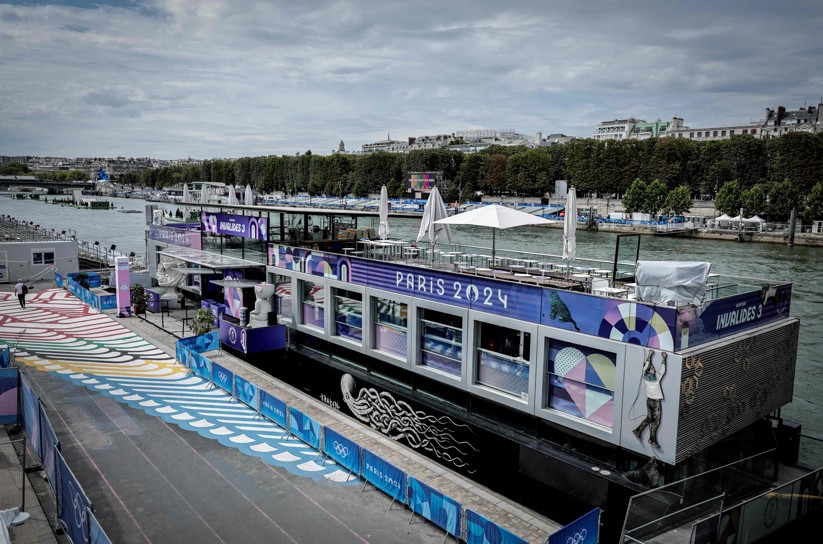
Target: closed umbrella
x=434, y=210
x=570, y=226
x=204, y=194
x=232, y=196
x=496, y=217
x=383, y=230
x=248, y=199
x=185, y=199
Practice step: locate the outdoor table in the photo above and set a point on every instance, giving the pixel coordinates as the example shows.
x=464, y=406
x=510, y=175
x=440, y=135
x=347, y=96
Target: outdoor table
x=616, y=292
x=517, y=268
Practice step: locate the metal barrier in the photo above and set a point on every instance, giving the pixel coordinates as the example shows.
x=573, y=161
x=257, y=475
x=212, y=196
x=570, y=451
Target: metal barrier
x=12, y=474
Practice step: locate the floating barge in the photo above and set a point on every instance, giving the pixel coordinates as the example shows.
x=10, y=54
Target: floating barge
x=565, y=387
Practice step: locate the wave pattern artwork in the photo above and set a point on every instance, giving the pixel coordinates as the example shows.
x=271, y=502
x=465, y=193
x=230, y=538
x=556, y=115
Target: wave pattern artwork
x=399, y=421
x=58, y=333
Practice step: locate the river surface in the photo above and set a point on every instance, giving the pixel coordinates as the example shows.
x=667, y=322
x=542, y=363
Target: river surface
x=800, y=265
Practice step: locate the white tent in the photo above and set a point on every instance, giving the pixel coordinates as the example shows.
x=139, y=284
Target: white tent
x=494, y=216
x=754, y=219
x=570, y=226
x=383, y=229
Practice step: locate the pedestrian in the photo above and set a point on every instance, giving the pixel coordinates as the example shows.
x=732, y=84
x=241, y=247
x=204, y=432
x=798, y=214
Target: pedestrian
x=21, y=291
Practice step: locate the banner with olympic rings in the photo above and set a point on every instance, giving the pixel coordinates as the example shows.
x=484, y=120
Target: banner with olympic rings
x=222, y=377
x=30, y=413
x=583, y=530
x=480, y=530
x=342, y=450
x=50, y=445
x=74, y=506
x=98, y=535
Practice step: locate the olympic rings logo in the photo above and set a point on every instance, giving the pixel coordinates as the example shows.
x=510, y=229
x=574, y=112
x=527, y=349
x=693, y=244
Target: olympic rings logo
x=79, y=509
x=340, y=449
x=577, y=538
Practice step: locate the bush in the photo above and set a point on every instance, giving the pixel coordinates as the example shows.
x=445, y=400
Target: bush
x=202, y=322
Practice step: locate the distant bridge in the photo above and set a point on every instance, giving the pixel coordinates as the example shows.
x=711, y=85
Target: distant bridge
x=27, y=181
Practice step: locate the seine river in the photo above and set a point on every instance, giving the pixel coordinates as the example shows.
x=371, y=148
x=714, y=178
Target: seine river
x=776, y=262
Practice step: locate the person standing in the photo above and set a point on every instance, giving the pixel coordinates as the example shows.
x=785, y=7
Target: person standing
x=20, y=289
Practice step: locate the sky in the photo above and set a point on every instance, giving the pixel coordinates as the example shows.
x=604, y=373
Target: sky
x=205, y=79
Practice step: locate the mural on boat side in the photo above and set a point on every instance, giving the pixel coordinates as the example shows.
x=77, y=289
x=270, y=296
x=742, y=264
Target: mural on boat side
x=654, y=399
x=399, y=421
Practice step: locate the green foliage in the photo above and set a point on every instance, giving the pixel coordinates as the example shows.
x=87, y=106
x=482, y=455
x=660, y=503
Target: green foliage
x=655, y=197
x=754, y=200
x=14, y=169
x=729, y=199
x=813, y=208
x=783, y=197
x=138, y=298
x=635, y=197
x=679, y=200
x=202, y=321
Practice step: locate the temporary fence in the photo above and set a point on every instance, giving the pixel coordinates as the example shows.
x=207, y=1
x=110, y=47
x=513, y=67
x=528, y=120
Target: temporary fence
x=95, y=301
x=422, y=499
x=74, y=511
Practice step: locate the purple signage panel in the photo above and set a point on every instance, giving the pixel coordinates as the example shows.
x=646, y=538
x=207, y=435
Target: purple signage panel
x=243, y=226
x=730, y=315
x=252, y=340
x=175, y=236
x=515, y=300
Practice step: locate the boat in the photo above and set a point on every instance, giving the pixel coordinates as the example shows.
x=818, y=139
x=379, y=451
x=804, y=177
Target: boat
x=569, y=387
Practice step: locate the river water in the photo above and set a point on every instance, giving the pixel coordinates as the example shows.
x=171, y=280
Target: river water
x=774, y=262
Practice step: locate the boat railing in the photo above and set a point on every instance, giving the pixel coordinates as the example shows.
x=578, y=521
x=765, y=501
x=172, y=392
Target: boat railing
x=659, y=510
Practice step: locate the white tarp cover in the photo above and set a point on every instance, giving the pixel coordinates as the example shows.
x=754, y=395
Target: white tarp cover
x=754, y=219
x=167, y=274
x=672, y=282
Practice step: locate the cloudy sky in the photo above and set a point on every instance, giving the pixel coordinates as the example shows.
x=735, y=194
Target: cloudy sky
x=231, y=78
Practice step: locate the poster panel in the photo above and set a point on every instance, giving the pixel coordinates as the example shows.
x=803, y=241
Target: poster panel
x=247, y=392
x=304, y=428
x=74, y=505
x=342, y=450
x=480, y=530
x=274, y=409
x=586, y=528
x=222, y=377
x=434, y=506
x=384, y=476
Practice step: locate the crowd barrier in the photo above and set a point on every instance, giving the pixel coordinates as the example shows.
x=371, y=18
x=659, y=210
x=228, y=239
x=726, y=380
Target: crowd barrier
x=74, y=511
x=5, y=357
x=96, y=302
x=439, y=509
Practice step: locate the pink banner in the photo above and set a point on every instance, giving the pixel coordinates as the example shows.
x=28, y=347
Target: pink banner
x=123, y=283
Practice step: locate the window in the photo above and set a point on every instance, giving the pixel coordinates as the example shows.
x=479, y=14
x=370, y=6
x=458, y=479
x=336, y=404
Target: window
x=503, y=359
x=312, y=300
x=715, y=134
x=283, y=297
x=390, y=326
x=731, y=132
x=348, y=314
x=441, y=341
x=581, y=382
x=722, y=132
x=691, y=134
x=699, y=134
x=42, y=257
x=754, y=131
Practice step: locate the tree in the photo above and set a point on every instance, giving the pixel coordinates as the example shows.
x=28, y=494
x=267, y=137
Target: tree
x=783, y=197
x=729, y=199
x=635, y=196
x=679, y=200
x=655, y=197
x=754, y=200
x=813, y=210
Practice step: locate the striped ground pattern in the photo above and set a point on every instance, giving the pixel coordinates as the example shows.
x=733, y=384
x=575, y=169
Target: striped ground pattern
x=57, y=332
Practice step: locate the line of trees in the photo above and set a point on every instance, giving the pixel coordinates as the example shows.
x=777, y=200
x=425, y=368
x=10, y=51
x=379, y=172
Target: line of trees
x=786, y=169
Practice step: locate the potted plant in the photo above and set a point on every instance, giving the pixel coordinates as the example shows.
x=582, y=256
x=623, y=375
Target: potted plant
x=138, y=299
x=202, y=321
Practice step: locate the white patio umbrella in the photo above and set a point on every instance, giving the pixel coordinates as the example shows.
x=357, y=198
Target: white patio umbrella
x=494, y=216
x=434, y=210
x=570, y=226
x=248, y=199
x=204, y=195
x=232, y=196
x=383, y=230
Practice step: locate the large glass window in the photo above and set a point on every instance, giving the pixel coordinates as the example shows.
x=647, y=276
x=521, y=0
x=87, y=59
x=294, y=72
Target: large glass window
x=348, y=314
x=283, y=296
x=441, y=341
x=581, y=382
x=390, y=326
x=503, y=359
x=313, y=298
x=42, y=257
